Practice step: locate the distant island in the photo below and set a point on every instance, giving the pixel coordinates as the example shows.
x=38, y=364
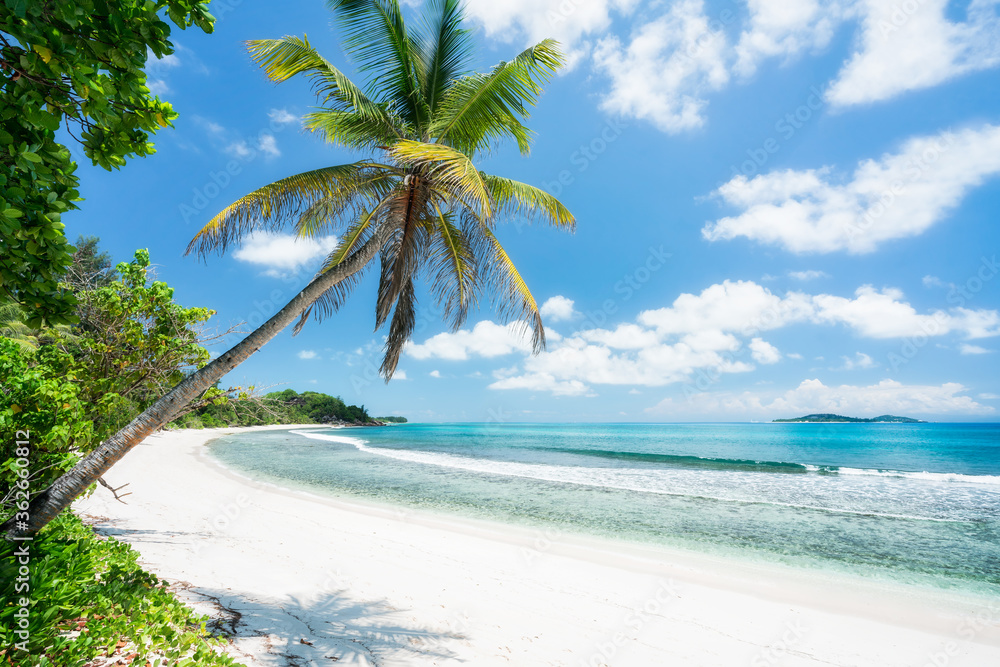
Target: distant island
x=883, y=419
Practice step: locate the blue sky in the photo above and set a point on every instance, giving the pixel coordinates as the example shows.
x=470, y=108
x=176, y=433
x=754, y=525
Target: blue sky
x=782, y=208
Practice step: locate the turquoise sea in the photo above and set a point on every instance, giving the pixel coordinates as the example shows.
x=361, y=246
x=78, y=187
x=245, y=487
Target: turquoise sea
x=914, y=503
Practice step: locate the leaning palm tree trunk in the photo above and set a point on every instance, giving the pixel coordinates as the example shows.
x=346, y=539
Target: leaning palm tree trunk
x=46, y=505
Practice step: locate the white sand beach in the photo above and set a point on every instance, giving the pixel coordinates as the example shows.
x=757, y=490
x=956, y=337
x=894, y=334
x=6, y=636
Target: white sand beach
x=307, y=580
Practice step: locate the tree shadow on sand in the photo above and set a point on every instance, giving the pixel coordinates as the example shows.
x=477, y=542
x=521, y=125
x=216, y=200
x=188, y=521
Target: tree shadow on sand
x=331, y=629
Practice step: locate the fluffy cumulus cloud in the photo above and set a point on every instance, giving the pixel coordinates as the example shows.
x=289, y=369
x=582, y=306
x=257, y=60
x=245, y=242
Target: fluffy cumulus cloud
x=665, y=70
x=912, y=45
x=763, y=352
x=899, y=195
x=307, y=354
x=283, y=254
x=485, y=339
x=558, y=309
x=811, y=396
x=572, y=22
x=661, y=61
x=782, y=29
x=715, y=332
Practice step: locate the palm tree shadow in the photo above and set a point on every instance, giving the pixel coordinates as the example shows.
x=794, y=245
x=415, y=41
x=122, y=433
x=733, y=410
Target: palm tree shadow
x=332, y=628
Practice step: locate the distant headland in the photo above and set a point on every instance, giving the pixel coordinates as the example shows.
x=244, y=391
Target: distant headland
x=883, y=419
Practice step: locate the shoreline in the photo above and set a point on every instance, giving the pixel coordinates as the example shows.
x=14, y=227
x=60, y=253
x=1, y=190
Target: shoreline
x=368, y=583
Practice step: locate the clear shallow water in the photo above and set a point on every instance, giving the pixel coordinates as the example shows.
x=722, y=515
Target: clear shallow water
x=918, y=503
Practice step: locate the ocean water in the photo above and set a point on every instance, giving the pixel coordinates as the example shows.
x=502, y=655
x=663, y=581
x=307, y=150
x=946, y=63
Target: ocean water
x=914, y=503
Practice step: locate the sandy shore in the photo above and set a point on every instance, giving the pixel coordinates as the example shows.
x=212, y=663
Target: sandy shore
x=306, y=580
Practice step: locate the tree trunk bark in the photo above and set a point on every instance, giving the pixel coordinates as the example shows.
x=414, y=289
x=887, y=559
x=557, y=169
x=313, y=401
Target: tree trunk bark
x=48, y=504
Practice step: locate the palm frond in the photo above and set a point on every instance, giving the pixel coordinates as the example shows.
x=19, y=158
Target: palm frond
x=403, y=251
x=513, y=198
x=447, y=168
x=284, y=58
x=367, y=198
x=353, y=130
x=452, y=269
x=404, y=318
x=444, y=47
x=511, y=297
x=375, y=37
x=481, y=109
x=267, y=208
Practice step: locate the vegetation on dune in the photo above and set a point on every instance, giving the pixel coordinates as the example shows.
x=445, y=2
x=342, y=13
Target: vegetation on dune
x=281, y=407
x=419, y=203
x=88, y=598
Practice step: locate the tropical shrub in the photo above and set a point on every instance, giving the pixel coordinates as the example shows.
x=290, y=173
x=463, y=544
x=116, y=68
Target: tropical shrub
x=87, y=597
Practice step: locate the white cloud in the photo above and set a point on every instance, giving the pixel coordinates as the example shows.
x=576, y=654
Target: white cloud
x=973, y=349
x=307, y=354
x=435, y=374
x=778, y=28
x=742, y=306
x=558, y=309
x=712, y=333
x=932, y=281
x=860, y=360
x=897, y=196
x=883, y=314
x=911, y=46
x=268, y=145
x=763, y=352
x=988, y=397
x=485, y=339
x=805, y=276
x=571, y=22
x=399, y=375
x=283, y=254
x=812, y=396
x=158, y=87
x=542, y=382
x=794, y=355
x=664, y=72
x=156, y=65
x=282, y=116
x=239, y=149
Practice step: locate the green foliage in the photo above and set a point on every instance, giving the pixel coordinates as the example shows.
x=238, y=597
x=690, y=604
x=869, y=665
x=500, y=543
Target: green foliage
x=277, y=407
x=133, y=344
x=392, y=420
x=40, y=397
x=316, y=407
x=91, y=267
x=80, y=63
x=89, y=598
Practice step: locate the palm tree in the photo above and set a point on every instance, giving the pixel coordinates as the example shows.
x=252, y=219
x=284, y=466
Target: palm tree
x=423, y=207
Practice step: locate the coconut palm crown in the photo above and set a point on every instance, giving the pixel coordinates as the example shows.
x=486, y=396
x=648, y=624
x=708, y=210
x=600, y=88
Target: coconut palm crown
x=427, y=117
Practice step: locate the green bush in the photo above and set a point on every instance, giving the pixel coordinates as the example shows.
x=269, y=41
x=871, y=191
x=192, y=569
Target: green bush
x=87, y=596
x=43, y=420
